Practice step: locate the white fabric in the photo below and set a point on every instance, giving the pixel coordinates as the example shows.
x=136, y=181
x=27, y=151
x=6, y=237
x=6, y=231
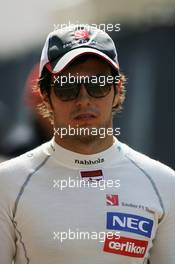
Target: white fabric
x=72, y=54
x=33, y=209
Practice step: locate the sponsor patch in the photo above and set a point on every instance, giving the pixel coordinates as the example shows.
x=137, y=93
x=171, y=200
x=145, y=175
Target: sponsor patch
x=96, y=175
x=126, y=246
x=112, y=199
x=89, y=162
x=129, y=223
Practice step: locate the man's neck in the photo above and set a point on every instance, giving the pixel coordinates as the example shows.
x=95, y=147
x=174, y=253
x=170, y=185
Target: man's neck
x=87, y=147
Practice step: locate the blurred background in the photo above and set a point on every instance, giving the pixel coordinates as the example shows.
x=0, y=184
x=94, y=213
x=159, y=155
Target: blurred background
x=146, y=48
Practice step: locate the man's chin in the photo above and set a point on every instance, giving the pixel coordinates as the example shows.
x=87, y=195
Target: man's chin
x=86, y=139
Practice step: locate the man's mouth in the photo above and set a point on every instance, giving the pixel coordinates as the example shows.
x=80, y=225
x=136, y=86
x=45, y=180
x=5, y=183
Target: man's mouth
x=85, y=116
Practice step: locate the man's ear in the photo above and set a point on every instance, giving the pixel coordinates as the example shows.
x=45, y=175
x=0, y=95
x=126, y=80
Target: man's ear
x=116, y=99
x=47, y=101
x=117, y=88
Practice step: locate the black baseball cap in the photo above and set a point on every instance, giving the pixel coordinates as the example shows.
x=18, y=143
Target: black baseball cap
x=64, y=45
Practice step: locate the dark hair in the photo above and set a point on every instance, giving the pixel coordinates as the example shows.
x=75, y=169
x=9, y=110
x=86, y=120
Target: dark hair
x=44, y=83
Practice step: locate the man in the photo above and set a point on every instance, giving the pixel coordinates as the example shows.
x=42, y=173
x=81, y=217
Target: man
x=84, y=197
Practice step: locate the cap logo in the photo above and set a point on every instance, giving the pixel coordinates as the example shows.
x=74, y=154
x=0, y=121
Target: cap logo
x=81, y=34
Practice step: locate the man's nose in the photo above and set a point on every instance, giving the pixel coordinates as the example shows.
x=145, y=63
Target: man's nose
x=83, y=96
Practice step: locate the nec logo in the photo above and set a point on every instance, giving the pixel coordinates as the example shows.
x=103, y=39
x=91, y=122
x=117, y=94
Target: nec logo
x=129, y=223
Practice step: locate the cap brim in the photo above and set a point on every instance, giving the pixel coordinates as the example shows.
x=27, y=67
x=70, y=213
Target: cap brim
x=70, y=56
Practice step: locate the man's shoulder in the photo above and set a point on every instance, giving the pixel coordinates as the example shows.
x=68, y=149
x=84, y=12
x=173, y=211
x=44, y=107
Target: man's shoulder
x=148, y=165
x=24, y=163
x=15, y=172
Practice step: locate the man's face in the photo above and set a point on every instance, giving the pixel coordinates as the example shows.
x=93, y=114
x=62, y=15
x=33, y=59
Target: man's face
x=85, y=111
